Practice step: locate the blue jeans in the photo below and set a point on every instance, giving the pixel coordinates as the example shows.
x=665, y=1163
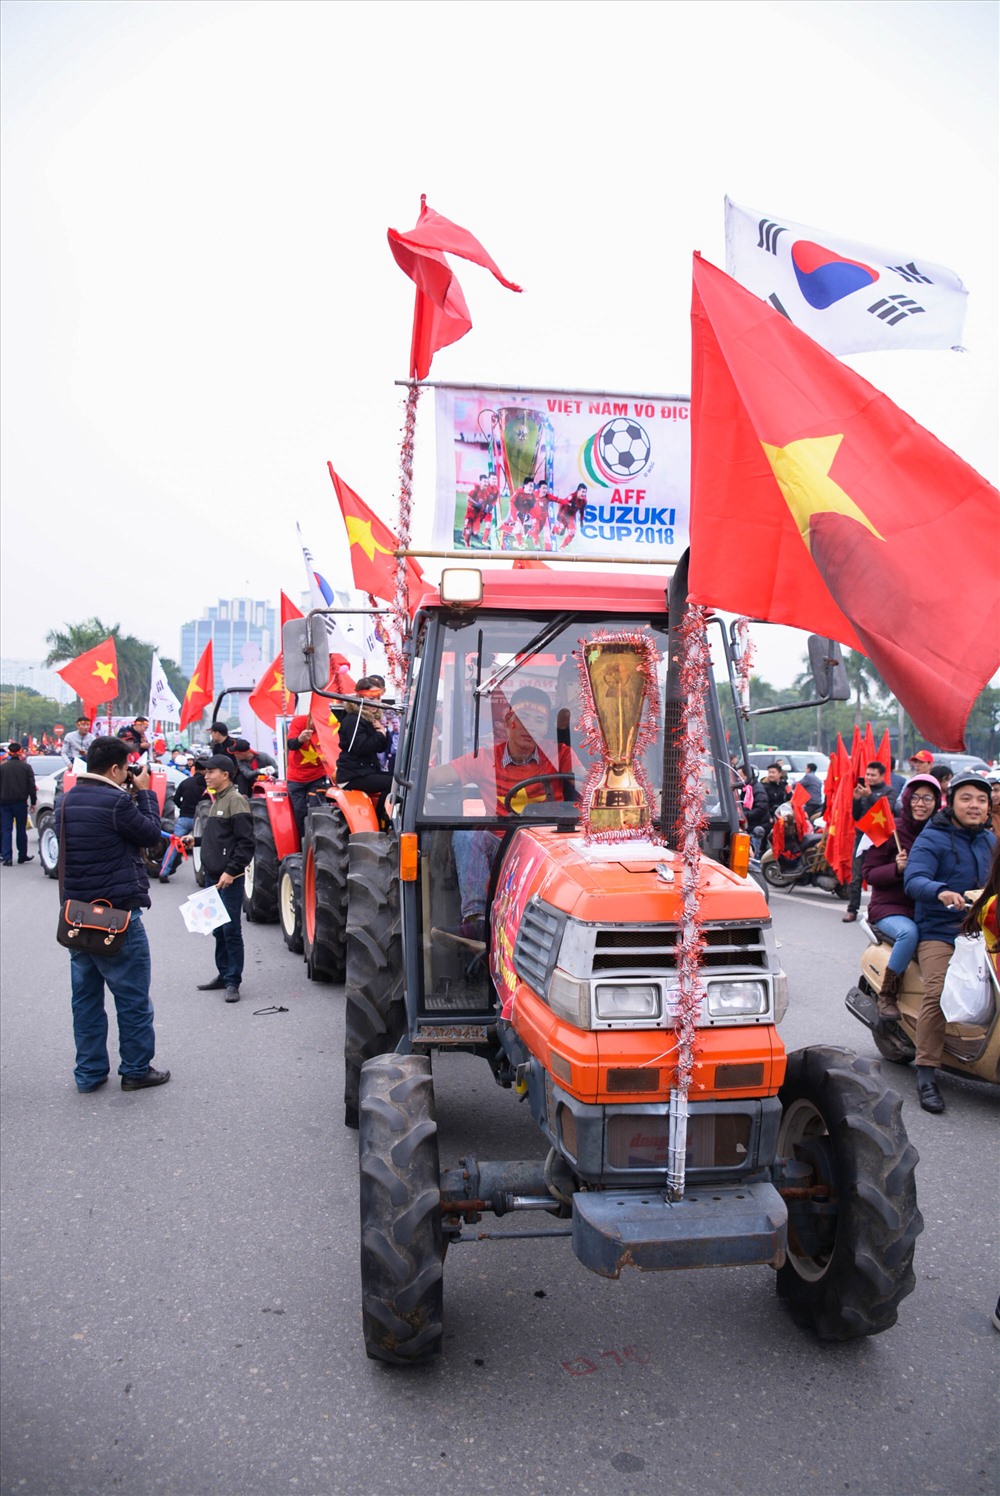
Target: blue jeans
x=127, y=974
x=475, y=853
x=14, y=813
x=904, y=935
x=229, y=937
x=182, y=826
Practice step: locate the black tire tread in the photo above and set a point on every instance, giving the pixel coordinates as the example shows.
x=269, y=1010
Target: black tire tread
x=261, y=908
x=328, y=836
x=870, y=1270
x=375, y=1018
x=402, y=1250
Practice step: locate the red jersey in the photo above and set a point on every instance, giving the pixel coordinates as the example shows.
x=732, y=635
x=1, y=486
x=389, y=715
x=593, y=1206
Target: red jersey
x=496, y=774
x=304, y=764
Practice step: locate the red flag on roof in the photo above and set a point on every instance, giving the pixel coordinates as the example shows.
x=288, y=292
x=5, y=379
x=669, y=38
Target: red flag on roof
x=862, y=525
x=93, y=675
x=372, y=546
x=440, y=315
x=201, y=688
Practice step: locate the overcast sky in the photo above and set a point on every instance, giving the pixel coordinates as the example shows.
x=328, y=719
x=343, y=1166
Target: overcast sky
x=199, y=306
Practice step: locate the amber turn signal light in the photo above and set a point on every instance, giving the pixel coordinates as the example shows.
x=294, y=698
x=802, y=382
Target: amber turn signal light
x=408, y=857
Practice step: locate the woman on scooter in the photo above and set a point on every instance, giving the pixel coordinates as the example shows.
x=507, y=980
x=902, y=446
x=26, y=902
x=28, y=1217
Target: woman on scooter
x=891, y=909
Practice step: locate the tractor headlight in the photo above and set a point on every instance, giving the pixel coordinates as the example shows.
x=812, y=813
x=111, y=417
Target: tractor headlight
x=570, y=998
x=736, y=999
x=634, y=1000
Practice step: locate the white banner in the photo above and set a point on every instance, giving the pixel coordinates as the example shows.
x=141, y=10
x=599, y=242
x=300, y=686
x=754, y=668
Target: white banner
x=542, y=470
x=850, y=297
x=163, y=704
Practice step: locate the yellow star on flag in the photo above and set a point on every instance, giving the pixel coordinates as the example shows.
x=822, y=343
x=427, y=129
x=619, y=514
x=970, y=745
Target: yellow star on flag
x=802, y=469
x=878, y=815
x=359, y=532
x=279, y=683
x=105, y=670
x=194, y=688
x=309, y=755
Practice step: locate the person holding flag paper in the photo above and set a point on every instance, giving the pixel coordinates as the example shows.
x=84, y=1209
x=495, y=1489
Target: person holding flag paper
x=890, y=911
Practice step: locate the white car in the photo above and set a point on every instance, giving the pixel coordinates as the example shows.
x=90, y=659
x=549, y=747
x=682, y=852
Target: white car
x=794, y=760
x=43, y=814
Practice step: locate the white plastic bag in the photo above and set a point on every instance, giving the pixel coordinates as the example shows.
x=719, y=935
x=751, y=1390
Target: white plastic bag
x=967, y=995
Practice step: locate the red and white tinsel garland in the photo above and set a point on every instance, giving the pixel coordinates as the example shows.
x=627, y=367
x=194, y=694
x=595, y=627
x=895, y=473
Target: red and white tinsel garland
x=691, y=823
x=747, y=652
x=590, y=729
x=400, y=609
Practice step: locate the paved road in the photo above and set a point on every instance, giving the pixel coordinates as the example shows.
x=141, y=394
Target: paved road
x=180, y=1282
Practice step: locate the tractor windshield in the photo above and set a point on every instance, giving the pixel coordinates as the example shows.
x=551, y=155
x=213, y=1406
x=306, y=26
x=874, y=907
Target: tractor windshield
x=506, y=736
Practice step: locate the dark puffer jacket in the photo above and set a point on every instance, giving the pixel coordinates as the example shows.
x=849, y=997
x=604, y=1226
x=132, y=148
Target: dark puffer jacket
x=945, y=855
x=360, y=744
x=102, y=831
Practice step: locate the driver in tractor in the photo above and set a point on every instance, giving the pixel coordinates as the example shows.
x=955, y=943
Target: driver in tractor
x=513, y=760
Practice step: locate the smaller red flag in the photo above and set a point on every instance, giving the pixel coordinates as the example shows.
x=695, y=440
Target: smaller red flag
x=93, y=675
x=288, y=609
x=440, y=313
x=870, y=753
x=778, y=836
x=800, y=799
x=858, y=756
x=879, y=823
x=269, y=700
x=839, y=849
x=201, y=689
x=372, y=546
x=884, y=753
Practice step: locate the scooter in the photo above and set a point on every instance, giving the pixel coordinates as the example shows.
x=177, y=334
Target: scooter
x=969, y=1049
x=809, y=867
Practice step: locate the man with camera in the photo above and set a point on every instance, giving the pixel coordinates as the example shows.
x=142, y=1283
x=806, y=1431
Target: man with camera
x=103, y=824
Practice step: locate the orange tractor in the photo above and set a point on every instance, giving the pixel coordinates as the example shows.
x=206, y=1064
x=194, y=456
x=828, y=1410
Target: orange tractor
x=487, y=920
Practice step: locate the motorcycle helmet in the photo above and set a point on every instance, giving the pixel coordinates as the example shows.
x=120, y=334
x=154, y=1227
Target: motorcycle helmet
x=977, y=780
x=925, y=779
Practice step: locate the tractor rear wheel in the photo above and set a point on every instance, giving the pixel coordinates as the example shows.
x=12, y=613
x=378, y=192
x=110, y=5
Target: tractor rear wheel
x=376, y=1013
x=324, y=894
x=850, y=1255
x=260, y=881
x=290, y=901
x=197, y=831
x=402, y=1248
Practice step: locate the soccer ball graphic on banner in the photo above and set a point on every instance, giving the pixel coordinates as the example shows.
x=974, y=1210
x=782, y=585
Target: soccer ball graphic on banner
x=623, y=448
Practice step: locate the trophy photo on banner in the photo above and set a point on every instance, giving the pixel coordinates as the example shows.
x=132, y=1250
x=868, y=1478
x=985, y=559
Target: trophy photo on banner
x=522, y=452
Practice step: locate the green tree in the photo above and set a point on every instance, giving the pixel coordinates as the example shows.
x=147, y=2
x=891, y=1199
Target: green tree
x=25, y=710
x=865, y=682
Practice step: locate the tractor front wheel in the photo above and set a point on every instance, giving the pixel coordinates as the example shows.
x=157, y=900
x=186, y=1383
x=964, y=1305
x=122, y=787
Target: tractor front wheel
x=324, y=894
x=260, y=881
x=290, y=901
x=376, y=1014
x=402, y=1248
x=850, y=1252
x=48, y=844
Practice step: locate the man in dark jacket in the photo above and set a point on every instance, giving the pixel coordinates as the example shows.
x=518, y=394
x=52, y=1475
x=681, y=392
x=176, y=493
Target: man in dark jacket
x=950, y=856
x=227, y=847
x=249, y=762
x=17, y=787
x=186, y=797
x=103, y=823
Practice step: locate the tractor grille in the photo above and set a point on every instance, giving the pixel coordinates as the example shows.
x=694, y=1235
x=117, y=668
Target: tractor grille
x=537, y=945
x=654, y=948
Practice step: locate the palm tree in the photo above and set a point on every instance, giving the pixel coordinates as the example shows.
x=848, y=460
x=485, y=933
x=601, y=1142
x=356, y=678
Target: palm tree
x=865, y=681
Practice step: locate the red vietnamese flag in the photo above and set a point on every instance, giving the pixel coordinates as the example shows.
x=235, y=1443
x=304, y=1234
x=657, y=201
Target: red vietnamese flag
x=870, y=753
x=862, y=526
x=800, y=799
x=201, y=689
x=884, y=753
x=269, y=700
x=372, y=546
x=839, y=848
x=326, y=734
x=859, y=757
x=440, y=314
x=93, y=675
x=840, y=763
x=879, y=823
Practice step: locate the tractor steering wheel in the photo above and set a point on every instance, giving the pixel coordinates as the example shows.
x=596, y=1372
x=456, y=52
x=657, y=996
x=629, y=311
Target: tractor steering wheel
x=537, y=779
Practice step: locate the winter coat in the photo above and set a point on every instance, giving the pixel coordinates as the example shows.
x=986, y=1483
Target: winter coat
x=360, y=744
x=889, y=896
x=17, y=781
x=945, y=855
x=188, y=793
x=102, y=831
x=227, y=839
